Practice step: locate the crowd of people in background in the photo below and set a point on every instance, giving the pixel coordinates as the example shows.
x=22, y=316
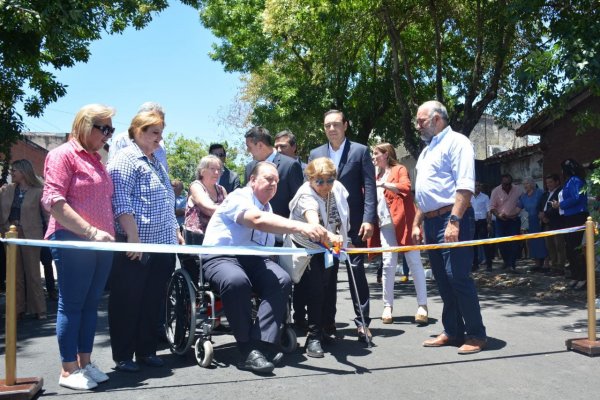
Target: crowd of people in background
x=347, y=195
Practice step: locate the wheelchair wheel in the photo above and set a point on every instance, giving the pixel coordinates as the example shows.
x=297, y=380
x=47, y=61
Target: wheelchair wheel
x=289, y=340
x=203, y=351
x=180, y=326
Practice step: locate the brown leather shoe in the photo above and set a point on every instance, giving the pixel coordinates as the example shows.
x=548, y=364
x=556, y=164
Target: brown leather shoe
x=441, y=340
x=472, y=346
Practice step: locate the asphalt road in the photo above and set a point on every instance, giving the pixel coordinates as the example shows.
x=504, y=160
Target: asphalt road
x=526, y=358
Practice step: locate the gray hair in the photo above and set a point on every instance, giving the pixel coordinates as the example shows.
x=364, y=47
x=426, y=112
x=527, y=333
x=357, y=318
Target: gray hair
x=529, y=180
x=434, y=107
x=152, y=106
x=205, y=163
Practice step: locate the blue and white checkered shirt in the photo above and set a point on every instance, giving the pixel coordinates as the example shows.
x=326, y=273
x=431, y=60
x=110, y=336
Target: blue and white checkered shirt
x=143, y=189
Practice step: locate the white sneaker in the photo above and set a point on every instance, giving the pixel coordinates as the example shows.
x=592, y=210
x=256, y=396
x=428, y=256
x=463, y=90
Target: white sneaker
x=94, y=372
x=77, y=380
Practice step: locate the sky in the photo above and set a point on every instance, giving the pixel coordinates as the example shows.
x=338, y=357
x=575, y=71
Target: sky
x=166, y=62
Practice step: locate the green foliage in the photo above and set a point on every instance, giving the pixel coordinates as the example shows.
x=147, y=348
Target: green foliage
x=183, y=156
x=379, y=59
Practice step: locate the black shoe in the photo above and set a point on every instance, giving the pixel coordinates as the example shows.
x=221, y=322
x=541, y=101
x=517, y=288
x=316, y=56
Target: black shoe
x=151, y=361
x=127, y=366
x=256, y=362
x=514, y=271
x=313, y=348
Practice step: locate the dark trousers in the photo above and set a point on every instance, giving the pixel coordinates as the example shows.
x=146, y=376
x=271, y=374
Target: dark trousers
x=315, y=280
x=362, y=302
x=46, y=260
x=461, y=315
x=300, y=297
x=235, y=279
x=136, y=292
x=572, y=242
x=481, y=232
x=508, y=250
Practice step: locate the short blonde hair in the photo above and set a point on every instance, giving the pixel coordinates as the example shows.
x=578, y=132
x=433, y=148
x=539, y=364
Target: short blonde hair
x=87, y=117
x=143, y=120
x=205, y=163
x=320, y=167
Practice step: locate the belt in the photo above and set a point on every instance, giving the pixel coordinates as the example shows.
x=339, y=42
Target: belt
x=439, y=211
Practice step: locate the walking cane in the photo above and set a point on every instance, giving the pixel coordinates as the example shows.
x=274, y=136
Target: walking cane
x=362, y=317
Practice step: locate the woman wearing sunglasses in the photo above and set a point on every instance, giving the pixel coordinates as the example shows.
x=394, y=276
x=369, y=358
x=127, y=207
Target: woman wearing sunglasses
x=77, y=193
x=321, y=200
x=396, y=212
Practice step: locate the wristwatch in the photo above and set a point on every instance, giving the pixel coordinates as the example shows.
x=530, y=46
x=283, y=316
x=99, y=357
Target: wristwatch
x=454, y=218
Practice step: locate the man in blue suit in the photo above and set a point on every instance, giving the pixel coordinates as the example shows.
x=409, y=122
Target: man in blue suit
x=356, y=172
x=259, y=143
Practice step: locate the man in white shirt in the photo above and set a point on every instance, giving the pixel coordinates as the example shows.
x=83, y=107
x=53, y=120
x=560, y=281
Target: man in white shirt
x=481, y=206
x=245, y=218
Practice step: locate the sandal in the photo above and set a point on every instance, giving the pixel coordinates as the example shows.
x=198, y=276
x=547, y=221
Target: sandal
x=421, y=317
x=386, y=316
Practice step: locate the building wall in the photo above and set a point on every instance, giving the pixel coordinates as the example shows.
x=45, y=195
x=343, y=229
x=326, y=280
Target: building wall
x=36, y=155
x=559, y=140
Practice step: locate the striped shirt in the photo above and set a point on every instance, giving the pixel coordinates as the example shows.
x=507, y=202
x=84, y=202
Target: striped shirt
x=143, y=189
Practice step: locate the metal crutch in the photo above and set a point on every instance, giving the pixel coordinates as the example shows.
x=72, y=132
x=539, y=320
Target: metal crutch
x=362, y=317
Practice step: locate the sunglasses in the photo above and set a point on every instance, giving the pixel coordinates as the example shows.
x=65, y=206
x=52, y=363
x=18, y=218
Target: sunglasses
x=321, y=182
x=220, y=155
x=106, y=130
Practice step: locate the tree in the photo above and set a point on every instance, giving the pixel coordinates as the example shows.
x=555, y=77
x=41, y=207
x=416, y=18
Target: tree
x=39, y=36
x=379, y=59
x=183, y=156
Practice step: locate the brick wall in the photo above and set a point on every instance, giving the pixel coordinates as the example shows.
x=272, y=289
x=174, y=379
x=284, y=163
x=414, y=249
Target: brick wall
x=560, y=141
x=35, y=154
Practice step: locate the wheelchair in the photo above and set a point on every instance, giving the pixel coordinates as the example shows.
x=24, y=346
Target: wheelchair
x=191, y=317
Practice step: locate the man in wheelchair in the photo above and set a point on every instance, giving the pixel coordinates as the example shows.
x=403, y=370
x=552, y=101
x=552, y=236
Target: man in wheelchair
x=245, y=218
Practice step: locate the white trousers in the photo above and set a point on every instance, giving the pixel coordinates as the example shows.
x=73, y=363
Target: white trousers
x=390, y=261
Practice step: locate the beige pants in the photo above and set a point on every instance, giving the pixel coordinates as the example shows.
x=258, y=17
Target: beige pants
x=556, y=251
x=30, y=292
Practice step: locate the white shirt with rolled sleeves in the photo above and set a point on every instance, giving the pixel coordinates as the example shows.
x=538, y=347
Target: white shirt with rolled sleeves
x=444, y=166
x=223, y=230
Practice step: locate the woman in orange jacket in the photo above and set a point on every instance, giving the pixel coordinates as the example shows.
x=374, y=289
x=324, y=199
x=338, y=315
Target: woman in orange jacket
x=396, y=212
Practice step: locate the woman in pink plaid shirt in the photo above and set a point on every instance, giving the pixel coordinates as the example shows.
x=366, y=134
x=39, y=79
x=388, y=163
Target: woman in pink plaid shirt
x=77, y=193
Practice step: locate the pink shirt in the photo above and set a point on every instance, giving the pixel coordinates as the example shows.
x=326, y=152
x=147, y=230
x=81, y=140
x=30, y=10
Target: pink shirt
x=504, y=202
x=78, y=177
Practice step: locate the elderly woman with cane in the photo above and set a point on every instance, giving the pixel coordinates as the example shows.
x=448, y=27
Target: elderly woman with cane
x=322, y=200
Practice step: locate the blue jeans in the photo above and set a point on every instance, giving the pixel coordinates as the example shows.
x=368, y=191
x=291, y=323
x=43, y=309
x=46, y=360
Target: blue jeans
x=508, y=250
x=82, y=275
x=461, y=315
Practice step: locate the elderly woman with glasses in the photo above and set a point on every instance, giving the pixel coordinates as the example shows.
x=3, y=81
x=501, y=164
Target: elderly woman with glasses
x=205, y=195
x=396, y=213
x=321, y=200
x=78, y=193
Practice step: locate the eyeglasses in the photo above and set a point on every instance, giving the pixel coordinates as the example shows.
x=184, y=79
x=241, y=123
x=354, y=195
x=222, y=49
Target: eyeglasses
x=220, y=155
x=106, y=130
x=321, y=182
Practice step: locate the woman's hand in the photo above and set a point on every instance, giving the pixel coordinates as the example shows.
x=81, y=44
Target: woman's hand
x=102, y=236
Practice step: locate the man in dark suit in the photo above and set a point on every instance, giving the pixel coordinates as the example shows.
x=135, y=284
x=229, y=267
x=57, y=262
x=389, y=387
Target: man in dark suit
x=259, y=143
x=356, y=172
x=551, y=220
x=229, y=179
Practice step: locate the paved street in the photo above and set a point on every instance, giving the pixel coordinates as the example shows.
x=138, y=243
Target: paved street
x=526, y=358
